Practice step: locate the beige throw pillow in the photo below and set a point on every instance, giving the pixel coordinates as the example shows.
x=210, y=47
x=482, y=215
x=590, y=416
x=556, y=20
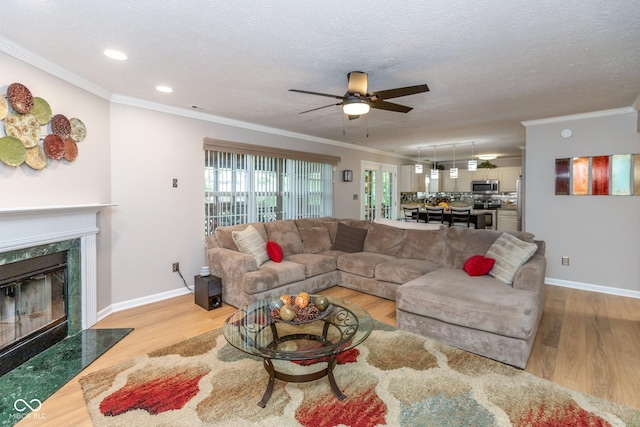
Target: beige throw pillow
x=510, y=254
x=249, y=241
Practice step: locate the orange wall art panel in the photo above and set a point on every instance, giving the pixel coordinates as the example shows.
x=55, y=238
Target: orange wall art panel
x=580, y=176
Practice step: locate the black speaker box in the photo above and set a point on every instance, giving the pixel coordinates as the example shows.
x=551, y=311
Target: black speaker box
x=208, y=291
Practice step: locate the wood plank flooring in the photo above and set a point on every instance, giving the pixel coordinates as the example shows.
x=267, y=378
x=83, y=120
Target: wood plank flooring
x=587, y=341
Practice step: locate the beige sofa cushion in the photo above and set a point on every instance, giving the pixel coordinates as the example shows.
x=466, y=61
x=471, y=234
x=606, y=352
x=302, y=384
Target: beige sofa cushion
x=362, y=263
x=314, y=264
x=481, y=302
x=425, y=244
x=285, y=233
x=225, y=239
x=272, y=275
x=383, y=239
x=250, y=242
x=315, y=239
x=510, y=253
x=403, y=270
x=463, y=243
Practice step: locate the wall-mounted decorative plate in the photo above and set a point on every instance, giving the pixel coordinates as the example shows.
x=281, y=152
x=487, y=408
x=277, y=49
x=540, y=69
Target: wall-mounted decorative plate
x=20, y=98
x=53, y=146
x=78, y=129
x=60, y=126
x=4, y=107
x=36, y=159
x=25, y=127
x=41, y=111
x=12, y=151
x=70, y=150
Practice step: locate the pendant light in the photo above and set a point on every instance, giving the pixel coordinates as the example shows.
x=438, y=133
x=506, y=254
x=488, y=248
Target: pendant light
x=418, y=166
x=473, y=163
x=453, y=172
x=434, y=170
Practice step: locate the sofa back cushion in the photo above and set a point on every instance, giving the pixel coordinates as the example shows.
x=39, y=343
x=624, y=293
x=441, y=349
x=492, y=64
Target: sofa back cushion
x=383, y=239
x=429, y=245
x=285, y=233
x=225, y=238
x=315, y=239
x=463, y=243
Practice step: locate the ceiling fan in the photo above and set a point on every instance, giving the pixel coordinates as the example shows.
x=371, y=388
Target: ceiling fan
x=357, y=101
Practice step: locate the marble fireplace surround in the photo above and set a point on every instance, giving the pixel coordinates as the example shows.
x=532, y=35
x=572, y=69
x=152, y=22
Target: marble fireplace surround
x=32, y=231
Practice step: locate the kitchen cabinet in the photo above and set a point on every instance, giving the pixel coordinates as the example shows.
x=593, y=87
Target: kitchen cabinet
x=508, y=177
x=484, y=174
x=448, y=184
x=507, y=220
x=410, y=180
x=462, y=184
x=435, y=185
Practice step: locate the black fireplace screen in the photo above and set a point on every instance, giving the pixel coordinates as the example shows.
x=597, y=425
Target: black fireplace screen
x=32, y=302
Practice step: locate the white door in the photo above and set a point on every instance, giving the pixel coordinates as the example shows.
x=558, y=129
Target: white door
x=379, y=191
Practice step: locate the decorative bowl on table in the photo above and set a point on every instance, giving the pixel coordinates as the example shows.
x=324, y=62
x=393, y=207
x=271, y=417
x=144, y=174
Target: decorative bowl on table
x=300, y=309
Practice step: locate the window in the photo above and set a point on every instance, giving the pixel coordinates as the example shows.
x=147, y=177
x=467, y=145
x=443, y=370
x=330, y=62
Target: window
x=242, y=187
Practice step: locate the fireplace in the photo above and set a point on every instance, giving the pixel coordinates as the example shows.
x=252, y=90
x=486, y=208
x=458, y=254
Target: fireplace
x=33, y=307
x=48, y=277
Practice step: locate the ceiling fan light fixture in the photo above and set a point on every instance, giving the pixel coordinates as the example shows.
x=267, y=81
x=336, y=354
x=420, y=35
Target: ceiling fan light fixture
x=355, y=107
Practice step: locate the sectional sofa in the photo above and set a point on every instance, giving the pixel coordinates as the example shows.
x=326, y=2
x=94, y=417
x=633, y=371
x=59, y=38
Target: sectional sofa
x=423, y=267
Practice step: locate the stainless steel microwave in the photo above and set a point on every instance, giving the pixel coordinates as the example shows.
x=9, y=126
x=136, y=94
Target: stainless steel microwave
x=488, y=186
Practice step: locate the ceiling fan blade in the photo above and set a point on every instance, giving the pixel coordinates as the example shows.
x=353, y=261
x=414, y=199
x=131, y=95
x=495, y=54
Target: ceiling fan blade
x=357, y=81
x=398, y=92
x=316, y=93
x=320, y=108
x=389, y=106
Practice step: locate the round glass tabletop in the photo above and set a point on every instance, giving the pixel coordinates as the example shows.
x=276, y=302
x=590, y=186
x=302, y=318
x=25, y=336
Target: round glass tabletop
x=252, y=330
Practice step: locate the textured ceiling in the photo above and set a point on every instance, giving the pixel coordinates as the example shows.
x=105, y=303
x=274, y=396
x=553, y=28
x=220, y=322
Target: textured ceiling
x=489, y=64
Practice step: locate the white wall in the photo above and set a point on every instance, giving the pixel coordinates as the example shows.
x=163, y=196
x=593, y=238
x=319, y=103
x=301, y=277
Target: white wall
x=154, y=224
x=600, y=234
x=87, y=180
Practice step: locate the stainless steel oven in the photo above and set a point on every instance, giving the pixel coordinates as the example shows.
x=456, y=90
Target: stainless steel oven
x=488, y=186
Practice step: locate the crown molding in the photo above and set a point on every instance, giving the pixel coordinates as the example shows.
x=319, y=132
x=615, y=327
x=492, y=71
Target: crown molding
x=12, y=49
x=183, y=112
x=32, y=58
x=582, y=116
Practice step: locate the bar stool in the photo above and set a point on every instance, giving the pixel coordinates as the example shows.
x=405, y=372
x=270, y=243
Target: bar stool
x=411, y=214
x=460, y=217
x=435, y=214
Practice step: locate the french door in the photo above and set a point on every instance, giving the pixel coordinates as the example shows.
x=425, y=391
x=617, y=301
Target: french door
x=378, y=184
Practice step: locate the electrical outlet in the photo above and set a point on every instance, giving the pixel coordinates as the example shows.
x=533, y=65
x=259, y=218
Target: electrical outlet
x=175, y=267
x=565, y=260
x=174, y=182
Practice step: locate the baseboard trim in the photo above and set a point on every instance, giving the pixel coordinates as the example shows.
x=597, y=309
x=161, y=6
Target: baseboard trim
x=137, y=302
x=592, y=288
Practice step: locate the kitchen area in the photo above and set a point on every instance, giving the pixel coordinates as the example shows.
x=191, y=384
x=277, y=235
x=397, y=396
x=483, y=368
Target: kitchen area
x=496, y=193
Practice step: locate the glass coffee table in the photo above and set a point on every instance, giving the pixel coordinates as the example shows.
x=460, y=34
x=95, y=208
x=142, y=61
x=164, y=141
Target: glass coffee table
x=342, y=326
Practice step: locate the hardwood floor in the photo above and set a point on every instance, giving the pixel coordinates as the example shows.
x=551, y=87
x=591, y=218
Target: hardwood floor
x=587, y=341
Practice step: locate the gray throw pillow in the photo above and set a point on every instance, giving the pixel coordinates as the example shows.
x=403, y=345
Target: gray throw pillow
x=349, y=239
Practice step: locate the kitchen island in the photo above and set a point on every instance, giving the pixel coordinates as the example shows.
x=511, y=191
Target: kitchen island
x=477, y=217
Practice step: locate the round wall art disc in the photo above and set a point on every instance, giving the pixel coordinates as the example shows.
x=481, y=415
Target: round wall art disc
x=20, y=98
x=60, y=126
x=41, y=111
x=25, y=127
x=78, y=130
x=70, y=150
x=4, y=107
x=12, y=151
x=53, y=146
x=36, y=159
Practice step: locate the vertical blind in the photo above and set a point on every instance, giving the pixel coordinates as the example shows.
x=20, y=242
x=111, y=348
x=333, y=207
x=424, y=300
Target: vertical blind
x=242, y=188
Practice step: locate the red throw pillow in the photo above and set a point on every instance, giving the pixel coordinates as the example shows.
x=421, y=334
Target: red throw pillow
x=478, y=265
x=274, y=251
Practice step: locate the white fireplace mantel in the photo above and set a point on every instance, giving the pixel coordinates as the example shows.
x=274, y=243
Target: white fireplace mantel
x=22, y=228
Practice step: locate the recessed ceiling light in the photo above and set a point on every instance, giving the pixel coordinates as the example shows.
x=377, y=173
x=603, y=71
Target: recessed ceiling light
x=165, y=89
x=115, y=54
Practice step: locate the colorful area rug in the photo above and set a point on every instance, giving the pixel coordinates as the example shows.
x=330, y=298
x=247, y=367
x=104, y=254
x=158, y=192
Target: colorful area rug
x=394, y=378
